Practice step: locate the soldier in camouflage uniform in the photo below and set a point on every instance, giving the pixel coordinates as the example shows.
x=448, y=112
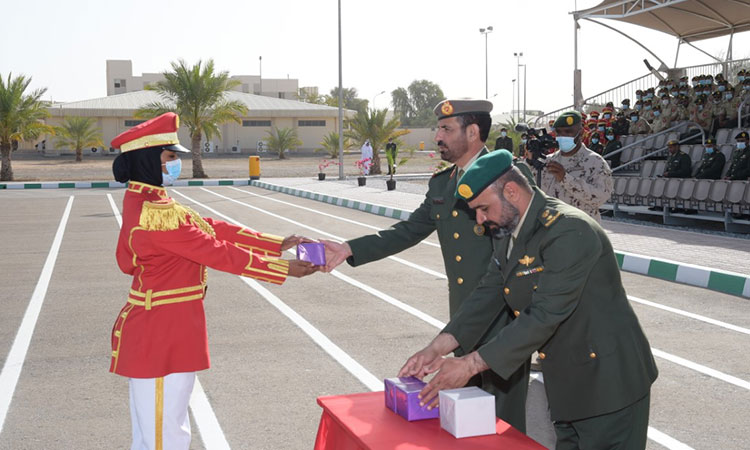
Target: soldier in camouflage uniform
x=575, y=174
x=712, y=162
x=638, y=125
x=740, y=167
x=728, y=118
x=661, y=120
x=702, y=115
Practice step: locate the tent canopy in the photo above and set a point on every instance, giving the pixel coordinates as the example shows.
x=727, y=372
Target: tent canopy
x=687, y=20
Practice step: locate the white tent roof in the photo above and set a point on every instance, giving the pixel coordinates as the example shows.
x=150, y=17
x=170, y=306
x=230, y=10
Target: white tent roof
x=689, y=20
x=124, y=105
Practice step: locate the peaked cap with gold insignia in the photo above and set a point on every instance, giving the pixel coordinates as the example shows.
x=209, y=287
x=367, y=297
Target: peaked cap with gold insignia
x=450, y=108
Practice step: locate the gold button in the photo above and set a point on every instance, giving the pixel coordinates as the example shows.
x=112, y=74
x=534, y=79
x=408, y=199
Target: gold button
x=517, y=313
x=456, y=235
x=437, y=216
x=454, y=213
x=592, y=355
x=507, y=291
x=542, y=355
x=535, y=287
x=460, y=280
x=458, y=258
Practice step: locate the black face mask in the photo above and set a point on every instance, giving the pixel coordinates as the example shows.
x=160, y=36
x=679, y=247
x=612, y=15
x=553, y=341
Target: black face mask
x=142, y=165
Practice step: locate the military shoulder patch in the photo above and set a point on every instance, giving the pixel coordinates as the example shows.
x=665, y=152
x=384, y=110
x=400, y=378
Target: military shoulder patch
x=548, y=217
x=443, y=170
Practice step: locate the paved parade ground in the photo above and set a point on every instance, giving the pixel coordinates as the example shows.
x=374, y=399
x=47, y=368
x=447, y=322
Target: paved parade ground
x=275, y=349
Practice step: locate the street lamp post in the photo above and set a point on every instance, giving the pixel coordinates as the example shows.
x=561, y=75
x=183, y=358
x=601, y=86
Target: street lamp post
x=524, y=92
x=341, y=107
x=260, y=69
x=376, y=96
x=485, y=32
x=518, y=77
x=513, y=94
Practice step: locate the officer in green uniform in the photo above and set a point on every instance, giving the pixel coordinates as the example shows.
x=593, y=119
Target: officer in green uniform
x=613, y=144
x=740, y=167
x=463, y=127
x=504, y=141
x=712, y=162
x=678, y=162
x=555, y=274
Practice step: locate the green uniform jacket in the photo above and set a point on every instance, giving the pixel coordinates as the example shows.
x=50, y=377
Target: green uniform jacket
x=740, y=168
x=562, y=283
x=678, y=166
x=711, y=166
x=465, y=246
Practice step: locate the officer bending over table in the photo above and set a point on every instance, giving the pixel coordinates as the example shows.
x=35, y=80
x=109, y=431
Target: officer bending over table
x=554, y=271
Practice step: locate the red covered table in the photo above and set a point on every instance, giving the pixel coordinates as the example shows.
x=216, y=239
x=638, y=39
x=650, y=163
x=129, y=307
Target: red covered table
x=361, y=421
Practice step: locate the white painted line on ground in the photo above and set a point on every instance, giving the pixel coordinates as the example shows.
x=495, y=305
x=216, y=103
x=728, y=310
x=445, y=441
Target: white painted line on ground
x=316, y=230
x=352, y=366
x=718, y=323
x=115, y=210
x=208, y=425
x=361, y=224
x=356, y=369
x=702, y=369
x=17, y=355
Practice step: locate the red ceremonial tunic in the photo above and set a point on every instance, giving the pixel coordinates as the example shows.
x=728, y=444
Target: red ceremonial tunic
x=167, y=247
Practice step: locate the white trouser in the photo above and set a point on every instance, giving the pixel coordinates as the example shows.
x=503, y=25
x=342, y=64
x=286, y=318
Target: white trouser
x=159, y=411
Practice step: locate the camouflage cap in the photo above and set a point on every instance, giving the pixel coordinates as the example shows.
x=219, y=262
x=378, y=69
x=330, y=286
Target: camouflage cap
x=450, y=108
x=485, y=170
x=568, y=119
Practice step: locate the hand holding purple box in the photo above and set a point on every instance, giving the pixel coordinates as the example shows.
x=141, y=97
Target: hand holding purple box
x=313, y=252
x=401, y=396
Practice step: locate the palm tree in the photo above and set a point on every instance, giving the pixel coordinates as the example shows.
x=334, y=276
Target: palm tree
x=78, y=133
x=197, y=95
x=371, y=124
x=281, y=139
x=330, y=144
x=20, y=118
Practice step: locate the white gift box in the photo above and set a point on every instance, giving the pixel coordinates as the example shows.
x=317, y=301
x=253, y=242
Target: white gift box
x=467, y=412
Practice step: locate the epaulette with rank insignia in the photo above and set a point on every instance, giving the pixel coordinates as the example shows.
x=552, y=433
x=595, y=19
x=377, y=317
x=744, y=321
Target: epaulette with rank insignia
x=548, y=217
x=443, y=170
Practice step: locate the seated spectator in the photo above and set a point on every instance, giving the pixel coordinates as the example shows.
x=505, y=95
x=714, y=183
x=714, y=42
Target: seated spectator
x=702, y=115
x=620, y=125
x=638, y=125
x=683, y=108
x=712, y=162
x=661, y=121
x=648, y=111
x=678, y=162
x=669, y=107
x=612, y=145
x=596, y=146
x=625, y=107
x=728, y=117
x=740, y=166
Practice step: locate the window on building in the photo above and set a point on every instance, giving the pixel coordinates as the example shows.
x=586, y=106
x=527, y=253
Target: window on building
x=119, y=83
x=311, y=123
x=133, y=122
x=256, y=123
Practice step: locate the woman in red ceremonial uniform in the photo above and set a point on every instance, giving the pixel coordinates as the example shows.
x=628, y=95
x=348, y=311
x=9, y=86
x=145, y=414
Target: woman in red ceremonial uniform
x=159, y=338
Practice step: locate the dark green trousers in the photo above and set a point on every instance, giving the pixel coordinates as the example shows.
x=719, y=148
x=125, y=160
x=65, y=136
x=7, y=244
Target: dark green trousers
x=625, y=429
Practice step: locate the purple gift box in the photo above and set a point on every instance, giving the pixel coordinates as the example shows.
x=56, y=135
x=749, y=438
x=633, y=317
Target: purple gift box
x=313, y=252
x=401, y=397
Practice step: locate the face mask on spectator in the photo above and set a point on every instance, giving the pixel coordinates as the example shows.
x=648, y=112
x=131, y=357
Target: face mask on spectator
x=594, y=140
x=633, y=118
x=741, y=77
x=625, y=106
x=523, y=141
x=665, y=102
x=670, y=86
x=639, y=97
x=741, y=145
x=722, y=88
x=728, y=95
x=682, y=84
x=600, y=128
x=657, y=113
x=709, y=150
x=610, y=137
x=608, y=116
x=648, y=107
x=747, y=88
x=700, y=107
x=503, y=133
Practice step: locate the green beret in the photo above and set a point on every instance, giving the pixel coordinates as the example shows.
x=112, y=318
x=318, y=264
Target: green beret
x=567, y=119
x=450, y=108
x=482, y=173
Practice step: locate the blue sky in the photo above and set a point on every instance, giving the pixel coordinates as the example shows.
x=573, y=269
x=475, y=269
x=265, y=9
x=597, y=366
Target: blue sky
x=387, y=44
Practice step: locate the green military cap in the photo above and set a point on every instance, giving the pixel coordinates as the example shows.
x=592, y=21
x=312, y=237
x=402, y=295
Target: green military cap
x=710, y=141
x=482, y=173
x=742, y=135
x=450, y=108
x=673, y=142
x=567, y=119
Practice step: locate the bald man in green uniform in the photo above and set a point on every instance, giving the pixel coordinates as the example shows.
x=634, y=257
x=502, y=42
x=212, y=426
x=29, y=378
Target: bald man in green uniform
x=555, y=272
x=463, y=127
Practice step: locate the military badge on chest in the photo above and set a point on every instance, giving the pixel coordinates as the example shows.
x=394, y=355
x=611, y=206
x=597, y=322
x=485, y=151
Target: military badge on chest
x=528, y=261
